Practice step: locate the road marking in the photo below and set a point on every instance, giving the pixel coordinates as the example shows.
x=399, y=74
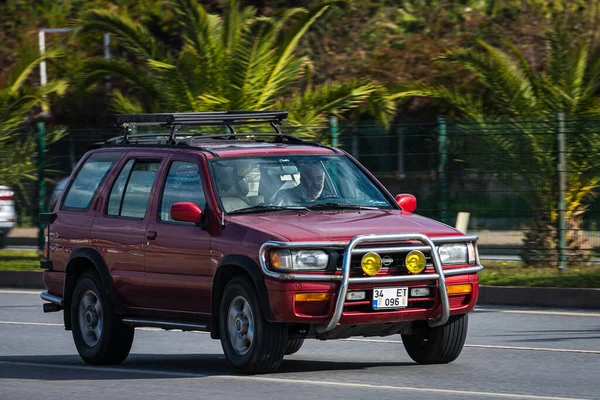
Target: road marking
x=29, y=323
x=532, y=348
x=541, y=312
x=481, y=346
x=394, y=388
x=485, y=346
x=12, y=291
x=289, y=381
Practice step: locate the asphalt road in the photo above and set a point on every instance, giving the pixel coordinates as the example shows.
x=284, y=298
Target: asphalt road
x=511, y=353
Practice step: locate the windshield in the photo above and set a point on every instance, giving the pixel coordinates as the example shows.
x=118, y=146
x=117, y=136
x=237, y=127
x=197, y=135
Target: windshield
x=263, y=184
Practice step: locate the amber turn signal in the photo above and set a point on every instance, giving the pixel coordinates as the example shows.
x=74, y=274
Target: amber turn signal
x=312, y=297
x=459, y=289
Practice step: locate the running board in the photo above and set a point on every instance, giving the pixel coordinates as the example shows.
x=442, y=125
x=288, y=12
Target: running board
x=162, y=324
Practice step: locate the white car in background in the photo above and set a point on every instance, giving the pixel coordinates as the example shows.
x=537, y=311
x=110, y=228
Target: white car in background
x=8, y=215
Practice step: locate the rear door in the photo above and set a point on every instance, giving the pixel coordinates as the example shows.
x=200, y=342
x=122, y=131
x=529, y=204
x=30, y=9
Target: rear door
x=119, y=230
x=178, y=269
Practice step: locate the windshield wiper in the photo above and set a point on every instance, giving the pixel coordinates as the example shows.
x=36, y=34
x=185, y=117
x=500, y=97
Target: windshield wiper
x=340, y=206
x=263, y=208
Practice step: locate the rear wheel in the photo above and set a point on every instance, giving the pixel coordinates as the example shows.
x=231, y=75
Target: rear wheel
x=293, y=345
x=99, y=335
x=439, y=345
x=250, y=343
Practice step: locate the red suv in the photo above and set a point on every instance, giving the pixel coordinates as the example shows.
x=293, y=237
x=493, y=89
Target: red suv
x=261, y=239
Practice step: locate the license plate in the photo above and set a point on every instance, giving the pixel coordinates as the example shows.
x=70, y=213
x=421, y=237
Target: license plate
x=390, y=298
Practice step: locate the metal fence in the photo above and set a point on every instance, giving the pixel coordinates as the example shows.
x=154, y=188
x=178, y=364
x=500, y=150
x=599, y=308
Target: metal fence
x=505, y=175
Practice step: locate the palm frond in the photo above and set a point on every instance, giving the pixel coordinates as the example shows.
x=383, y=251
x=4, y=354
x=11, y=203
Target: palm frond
x=96, y=69
x=125, y=105
x=136, y=37
x=286, y=52
x=178, y=95
x=25, y=67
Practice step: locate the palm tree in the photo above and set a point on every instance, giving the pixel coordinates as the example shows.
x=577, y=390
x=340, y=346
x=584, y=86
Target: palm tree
x=18, y=102
x=238, y=61
x=530, y=100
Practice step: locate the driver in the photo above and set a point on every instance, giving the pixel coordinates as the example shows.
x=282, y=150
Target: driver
x=312, y=182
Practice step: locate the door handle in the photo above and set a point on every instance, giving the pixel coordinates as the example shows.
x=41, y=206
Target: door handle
x=151, y=235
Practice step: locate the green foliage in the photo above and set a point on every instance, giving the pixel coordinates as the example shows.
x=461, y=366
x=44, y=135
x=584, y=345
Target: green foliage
x=19, y=104
x=236, y=60
x=530, y=100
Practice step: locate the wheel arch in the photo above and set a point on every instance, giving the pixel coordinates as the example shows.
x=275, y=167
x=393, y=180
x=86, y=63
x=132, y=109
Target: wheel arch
x=234, y=265
x=82, y=260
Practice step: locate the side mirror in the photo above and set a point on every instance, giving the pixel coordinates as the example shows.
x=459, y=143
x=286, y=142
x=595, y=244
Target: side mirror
x=186, y=212
x=407, y=202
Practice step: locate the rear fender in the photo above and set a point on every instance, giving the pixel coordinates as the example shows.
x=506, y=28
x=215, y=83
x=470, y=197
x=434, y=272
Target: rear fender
x=88, y=258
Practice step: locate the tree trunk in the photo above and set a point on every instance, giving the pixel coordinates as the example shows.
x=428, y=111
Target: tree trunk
x=541, y=244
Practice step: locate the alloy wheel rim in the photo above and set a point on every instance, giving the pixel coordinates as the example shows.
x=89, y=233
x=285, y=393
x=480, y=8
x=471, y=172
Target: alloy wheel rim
x=90, y=318
x=240, y=325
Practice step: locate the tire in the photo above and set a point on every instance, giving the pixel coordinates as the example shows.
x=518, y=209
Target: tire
x=251, y=344
x=439, y=345
x=293, y=345
x=99, y=335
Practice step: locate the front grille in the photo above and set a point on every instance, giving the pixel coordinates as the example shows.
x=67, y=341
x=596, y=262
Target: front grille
x=397, y=266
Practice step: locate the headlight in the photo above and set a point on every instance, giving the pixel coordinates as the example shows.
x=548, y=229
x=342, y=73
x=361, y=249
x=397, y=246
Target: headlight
x=454, y=253
x=299, y=260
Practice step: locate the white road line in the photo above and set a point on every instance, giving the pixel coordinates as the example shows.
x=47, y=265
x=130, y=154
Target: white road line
x=24, y=291
x=29, y=323
x=481, y=346
x=394, y=388
x=532, y=348
x=290, y=381
x=485, y=346
x=540, y=312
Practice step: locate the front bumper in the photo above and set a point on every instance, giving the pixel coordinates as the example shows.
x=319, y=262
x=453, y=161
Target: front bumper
x=438, y=276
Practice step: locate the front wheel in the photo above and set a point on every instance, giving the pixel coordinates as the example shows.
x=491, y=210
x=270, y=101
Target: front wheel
x=439, y=345
x=251, y=344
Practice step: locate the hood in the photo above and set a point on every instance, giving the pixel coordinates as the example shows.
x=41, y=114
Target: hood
x=343, y=225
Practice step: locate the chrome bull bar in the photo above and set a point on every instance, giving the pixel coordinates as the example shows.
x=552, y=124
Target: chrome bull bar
x=428, y=244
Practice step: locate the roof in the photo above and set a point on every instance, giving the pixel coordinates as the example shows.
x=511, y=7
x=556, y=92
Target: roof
x=238, y=148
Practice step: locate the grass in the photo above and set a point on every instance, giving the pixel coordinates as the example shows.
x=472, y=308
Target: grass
x=19, y=260
x=495, y=273
x=515, y=274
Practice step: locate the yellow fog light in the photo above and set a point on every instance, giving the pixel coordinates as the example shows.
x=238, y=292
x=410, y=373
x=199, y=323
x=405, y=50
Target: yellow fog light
x=415, y=262
x=459, y=289
x=312, y=296
x=371, y=263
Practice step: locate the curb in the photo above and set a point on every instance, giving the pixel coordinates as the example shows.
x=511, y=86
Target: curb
x=22, y=279
x=539, y=297
x=488, y=295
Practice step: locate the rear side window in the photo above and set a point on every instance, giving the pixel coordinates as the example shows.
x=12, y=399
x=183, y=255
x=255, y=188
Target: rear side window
x=88, y=179
x=131, y=190
x=183, y=184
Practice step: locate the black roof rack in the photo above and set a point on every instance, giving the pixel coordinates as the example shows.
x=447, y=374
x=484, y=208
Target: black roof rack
x=128, y=122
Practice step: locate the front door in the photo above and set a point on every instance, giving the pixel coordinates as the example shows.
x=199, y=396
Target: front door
x=178, y=270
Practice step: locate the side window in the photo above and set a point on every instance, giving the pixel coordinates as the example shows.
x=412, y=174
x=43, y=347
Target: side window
x=88, y=179
x=116, y=194
x=183, y=184
x=131, y=190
